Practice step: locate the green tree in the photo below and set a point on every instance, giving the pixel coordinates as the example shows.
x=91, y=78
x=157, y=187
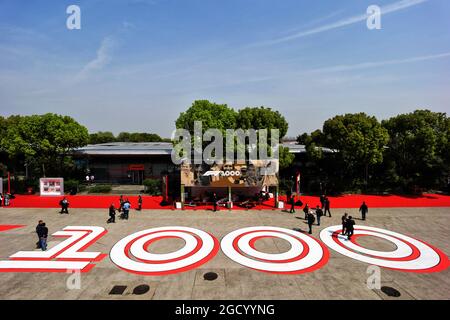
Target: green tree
x=45, y=141
x=3, y=126
x=315, y=137
x=360, y=140
x=262, y=118
x=285, y=157
x=138, y=137
x=212, y=115
x=105, y=137
x=418, y=153
x=222, y=117
x=101, y=137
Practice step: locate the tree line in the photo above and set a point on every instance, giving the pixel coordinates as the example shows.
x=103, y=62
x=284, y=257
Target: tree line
x=406, y=153
x=402, y=154
x=42, y=145
x=107, y=137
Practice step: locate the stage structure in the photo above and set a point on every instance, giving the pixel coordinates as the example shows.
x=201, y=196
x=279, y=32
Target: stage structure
x=231, y=181
x=51, y=186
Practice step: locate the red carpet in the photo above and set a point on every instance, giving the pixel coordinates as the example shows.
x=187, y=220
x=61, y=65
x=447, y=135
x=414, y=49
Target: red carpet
x=149, y=202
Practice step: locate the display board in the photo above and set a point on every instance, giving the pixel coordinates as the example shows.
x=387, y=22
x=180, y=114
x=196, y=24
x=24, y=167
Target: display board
x=254, y=173
x=51, y=186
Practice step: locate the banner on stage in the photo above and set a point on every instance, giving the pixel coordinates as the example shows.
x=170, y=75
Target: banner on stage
x=255, y=173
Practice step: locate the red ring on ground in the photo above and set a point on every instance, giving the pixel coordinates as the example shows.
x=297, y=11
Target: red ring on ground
x=443, y=264
x=186, y=268
x=323, y=261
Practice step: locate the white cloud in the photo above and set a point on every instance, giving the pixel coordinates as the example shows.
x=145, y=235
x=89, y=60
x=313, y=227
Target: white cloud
x=396, y=6
x=103, y=57
x=366, y=65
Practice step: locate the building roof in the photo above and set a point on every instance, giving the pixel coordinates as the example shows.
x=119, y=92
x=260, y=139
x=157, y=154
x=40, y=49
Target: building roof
x=127, y=148
x=155, y=148
x=301, y=148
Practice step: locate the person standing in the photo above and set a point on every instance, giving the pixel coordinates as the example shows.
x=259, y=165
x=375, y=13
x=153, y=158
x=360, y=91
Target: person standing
x=364, y=209
x=306, y=210
x=112, y=214
x=319, y=214
x=120, y=203
x=1, y=199
x=126, y=209
x=344, y=222
x=42, y=232
x=327, y=206
x=292, y=204
x=7, y=200
x=350, y=227
x=38, y=243
x=322, y=201
x=214, y=199
x=311, y=220
x=140, y=203
x=64, y=203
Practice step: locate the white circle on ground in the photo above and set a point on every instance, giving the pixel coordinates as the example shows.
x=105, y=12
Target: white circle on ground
x=314, y=256
x=427, y=259
x=403, y=250
x=295, y=250
x=137, y=248
x=121, y=258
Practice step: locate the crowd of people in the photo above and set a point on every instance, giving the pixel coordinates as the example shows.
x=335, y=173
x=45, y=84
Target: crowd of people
x=124, y=209
x=311, y=215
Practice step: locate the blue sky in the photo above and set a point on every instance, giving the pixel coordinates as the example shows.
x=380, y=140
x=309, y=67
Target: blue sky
x=136, y=64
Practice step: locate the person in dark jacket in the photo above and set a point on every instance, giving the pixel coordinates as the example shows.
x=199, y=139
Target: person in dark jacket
x=140, y=203
x=364, y=209
x=112, y=214
x=311, y=220
x=322, y=201
x=306, y=210
x=214, y=200
x=344, y=222
x=42, y=232
x=327, y=207
x=349, y=227
x=1, y=199
x=38, y=243
x=64, y=203
x=121, y=201
x=292, y=201
x=319, y=214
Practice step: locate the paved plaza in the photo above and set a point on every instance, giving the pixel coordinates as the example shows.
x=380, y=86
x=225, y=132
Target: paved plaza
x=340, y=278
